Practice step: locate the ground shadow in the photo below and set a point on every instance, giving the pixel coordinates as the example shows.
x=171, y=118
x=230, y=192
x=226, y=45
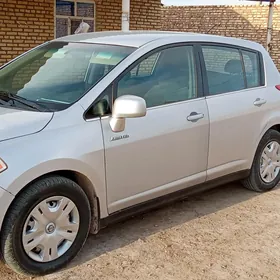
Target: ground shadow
x=142, y=226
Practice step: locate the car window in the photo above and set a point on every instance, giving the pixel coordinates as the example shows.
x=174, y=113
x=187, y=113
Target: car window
x=252, y=69
x=165, y=77
x=102, y=105
x=224, y=69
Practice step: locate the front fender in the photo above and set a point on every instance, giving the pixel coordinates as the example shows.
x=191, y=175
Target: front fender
x=14, y=184
x=5, y=201
x=77, y=148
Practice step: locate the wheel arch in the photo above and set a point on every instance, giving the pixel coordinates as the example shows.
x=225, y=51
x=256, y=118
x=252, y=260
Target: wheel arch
x=271, y=125
x=275, y=127
x=84, y=183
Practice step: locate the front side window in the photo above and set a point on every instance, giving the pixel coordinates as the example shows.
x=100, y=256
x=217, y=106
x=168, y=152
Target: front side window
x=252, y=68
x=165, y=77
x=59, y=73
x=224, y=69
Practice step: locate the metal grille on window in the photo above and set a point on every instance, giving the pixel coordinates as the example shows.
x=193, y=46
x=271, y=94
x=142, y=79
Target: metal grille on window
x=69, y=15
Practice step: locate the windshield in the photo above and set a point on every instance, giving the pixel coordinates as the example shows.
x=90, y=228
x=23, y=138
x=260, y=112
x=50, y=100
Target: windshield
x=57, y=74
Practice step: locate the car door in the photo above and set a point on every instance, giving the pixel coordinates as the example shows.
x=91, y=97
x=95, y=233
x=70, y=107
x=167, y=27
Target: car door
x=167, y=149
x=237, y=105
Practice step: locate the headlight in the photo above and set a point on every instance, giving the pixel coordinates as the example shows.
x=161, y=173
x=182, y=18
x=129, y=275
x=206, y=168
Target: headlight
x=3, y=165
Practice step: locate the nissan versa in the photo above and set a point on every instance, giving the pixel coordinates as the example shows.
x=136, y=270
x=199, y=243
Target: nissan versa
x=95, y=127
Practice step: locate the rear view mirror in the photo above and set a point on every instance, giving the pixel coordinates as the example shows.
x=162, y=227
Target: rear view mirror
x=127, y=106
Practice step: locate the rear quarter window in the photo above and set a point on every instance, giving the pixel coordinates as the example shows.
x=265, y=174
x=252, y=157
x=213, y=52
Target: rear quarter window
x=252, y=68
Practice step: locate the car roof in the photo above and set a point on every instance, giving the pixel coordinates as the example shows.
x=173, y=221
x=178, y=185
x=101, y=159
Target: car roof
x=130, y=38
x=139, y=38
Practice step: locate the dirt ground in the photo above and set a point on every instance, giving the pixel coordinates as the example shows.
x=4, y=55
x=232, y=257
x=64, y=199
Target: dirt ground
x=226, y=233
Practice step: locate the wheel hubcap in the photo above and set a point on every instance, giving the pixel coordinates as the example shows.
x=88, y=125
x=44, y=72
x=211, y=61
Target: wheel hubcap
x=50, y=229
x=270, y=162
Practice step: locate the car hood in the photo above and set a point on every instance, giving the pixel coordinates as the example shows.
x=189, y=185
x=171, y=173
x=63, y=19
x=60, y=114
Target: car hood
x=16, y=123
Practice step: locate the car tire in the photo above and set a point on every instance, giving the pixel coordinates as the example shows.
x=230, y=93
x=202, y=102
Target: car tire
x=257, y=181
x=54, y=192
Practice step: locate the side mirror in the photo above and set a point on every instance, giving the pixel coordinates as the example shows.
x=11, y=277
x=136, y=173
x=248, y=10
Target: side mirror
x=127, y=106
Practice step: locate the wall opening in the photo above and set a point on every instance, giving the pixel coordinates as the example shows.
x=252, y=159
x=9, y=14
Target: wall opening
x=70, y=13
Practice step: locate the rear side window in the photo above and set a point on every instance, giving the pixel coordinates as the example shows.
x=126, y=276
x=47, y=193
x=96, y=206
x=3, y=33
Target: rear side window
x=224, y=69
x=252, y=68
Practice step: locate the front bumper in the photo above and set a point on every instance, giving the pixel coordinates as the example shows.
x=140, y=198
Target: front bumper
x=6, y=199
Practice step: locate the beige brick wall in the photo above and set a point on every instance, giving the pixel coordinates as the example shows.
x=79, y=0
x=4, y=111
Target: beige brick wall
x=27, y=23
x=249, y=22
x=23, y=25
x=145, y=14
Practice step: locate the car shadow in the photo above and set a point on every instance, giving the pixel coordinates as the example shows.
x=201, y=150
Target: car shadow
x=142, y=226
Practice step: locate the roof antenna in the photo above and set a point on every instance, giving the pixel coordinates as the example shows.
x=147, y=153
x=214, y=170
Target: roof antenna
x=211, y=28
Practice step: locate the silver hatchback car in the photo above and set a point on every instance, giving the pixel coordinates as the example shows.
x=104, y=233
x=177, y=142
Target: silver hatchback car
x=97, y=127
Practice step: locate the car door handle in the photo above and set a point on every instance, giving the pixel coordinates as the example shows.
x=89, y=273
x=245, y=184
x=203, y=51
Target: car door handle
x=259, y=102
x=193, y=117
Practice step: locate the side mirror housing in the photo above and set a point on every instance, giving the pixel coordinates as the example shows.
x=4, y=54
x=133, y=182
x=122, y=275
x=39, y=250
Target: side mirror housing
x=127, y=106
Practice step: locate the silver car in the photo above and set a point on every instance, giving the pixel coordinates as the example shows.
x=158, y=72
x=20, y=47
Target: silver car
x=98, y=127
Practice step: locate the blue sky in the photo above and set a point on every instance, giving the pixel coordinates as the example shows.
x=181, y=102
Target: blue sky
x=205, y=2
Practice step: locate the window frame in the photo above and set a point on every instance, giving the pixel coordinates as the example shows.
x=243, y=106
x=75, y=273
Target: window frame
x=197, y=70
x=75, y=17
x=239, y=49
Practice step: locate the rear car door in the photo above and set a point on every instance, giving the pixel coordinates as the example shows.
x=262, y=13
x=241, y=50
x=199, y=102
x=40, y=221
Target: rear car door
x=237, y=104
x=166, y=150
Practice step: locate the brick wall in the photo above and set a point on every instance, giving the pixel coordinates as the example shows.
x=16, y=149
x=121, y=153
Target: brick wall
x=23, y=25
x=144, y=15
x=249, y=22
x=27, y=23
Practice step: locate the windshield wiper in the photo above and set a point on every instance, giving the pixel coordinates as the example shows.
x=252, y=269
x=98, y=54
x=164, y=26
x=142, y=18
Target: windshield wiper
x=5, y=103
x=22, y=100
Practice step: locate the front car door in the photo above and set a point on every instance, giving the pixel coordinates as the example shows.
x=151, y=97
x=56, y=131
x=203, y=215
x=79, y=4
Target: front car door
x=237, y=104
x=167, y=150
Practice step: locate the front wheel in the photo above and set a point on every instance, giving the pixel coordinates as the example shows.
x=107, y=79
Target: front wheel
x=265, y=172
x=45, y=227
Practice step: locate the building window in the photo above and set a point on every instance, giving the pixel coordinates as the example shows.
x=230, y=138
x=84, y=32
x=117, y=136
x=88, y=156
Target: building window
x=69, y=15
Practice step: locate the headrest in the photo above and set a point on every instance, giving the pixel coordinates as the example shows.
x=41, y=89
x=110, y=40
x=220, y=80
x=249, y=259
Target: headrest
x=234, y=66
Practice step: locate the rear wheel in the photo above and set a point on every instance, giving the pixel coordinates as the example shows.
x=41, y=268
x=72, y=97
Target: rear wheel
x=265, y=172
x=45, y=227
